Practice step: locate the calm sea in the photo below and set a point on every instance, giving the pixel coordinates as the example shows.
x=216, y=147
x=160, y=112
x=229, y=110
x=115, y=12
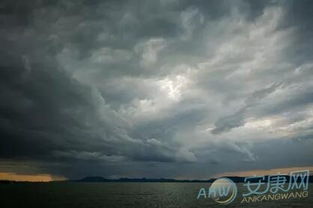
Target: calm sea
x=120, y=195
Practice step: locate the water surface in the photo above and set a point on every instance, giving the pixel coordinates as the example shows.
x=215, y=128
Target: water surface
x=123, y=195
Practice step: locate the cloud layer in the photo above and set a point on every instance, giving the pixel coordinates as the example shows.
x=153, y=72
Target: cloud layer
x=155, y=88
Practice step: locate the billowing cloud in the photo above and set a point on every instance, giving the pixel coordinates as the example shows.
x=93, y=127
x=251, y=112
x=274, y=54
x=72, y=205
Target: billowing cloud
x=185, y=89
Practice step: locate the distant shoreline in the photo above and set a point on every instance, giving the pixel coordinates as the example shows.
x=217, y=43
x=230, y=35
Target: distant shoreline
x=99, y=179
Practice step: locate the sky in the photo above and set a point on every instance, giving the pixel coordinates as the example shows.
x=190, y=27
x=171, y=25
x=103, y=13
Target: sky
x=160, y=88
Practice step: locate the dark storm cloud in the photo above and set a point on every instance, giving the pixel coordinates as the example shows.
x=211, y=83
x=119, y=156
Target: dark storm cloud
x=154, y=88
x=42, y=110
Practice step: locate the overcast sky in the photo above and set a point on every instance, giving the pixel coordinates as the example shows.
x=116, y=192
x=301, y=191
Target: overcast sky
x=168, y=88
